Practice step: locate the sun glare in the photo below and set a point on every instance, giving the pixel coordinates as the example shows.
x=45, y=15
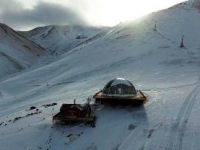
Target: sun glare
x=109, y=12
x=123, y=10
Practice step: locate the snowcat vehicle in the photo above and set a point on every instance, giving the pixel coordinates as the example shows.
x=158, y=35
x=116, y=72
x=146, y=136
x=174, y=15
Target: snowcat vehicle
x=119, y=91
x=75, y=113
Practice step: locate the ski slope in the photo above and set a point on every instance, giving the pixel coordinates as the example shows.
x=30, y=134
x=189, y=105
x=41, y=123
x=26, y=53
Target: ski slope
x=151, y=59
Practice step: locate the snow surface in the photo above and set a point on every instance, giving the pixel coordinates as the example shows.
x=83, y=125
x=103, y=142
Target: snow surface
x=60, y=39
x=194, y=1
x=16, y=52
x=150, y=58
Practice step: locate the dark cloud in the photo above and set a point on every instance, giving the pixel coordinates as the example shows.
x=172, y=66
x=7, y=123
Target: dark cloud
x=15, y=15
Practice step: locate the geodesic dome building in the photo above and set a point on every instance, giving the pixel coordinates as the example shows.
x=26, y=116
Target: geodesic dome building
x=119, y=87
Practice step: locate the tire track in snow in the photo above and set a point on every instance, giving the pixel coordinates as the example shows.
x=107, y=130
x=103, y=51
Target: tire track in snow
x=175, y=132
x=142, y=133
x=178, y=128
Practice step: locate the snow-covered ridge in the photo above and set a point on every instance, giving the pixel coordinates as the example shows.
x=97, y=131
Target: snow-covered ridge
x=16, y=51
x=60, y=39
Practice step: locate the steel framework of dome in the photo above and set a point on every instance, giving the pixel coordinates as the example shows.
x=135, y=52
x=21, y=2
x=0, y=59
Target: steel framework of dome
x=119, y=91
x=119, y=87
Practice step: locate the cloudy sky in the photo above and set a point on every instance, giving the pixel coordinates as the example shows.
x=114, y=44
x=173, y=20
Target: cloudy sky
x=27, y=14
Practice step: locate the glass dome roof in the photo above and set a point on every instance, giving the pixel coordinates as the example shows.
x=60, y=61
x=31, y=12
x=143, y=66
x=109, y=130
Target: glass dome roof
x=119, y=86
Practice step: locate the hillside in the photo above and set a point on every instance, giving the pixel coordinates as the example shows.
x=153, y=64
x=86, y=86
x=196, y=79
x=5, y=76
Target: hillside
x=60, y=39
x=149, y=56
x=16, y=52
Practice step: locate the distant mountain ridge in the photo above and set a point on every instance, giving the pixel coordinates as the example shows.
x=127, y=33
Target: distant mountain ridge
x=16, y=51
x=60, y=39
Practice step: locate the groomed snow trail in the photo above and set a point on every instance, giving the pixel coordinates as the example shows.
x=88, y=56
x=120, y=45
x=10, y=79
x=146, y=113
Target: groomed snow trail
x=179, y=126
x=167, y=135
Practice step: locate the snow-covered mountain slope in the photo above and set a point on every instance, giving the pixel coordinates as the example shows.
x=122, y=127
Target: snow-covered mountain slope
x=60, y=39
x=16, y=52
x=149, y=57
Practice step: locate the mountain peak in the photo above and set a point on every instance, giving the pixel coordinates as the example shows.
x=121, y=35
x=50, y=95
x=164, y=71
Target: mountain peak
x=4, y=27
